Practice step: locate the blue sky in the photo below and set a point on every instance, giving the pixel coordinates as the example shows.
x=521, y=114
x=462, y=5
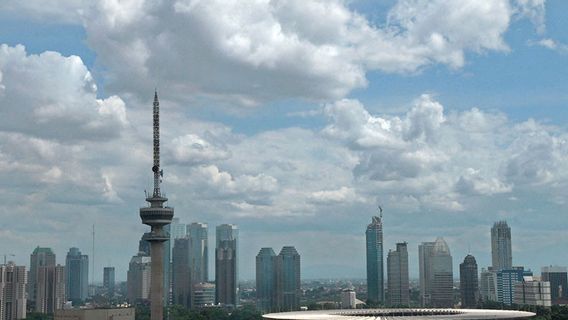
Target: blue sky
x=291, y=119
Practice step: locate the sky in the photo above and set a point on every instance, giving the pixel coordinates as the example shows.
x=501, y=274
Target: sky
x=292, y=119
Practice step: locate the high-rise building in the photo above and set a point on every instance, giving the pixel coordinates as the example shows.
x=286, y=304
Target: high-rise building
x=375, y=273
x=50, y=293
x=266, y=280
x=108, y=281
x=558, y=278
x=532, y=292
x=488, y=284
x=138, y=278
x=469, y=282
x=288, y=285
x=397, y=276
x=226, y=273
x=506, y=281
x=12, y=292
x=40, y=257
x=198, y=258
x=77, y=275
x=203, y=294
x=442, y=275
x=181, y=272
x=425, y=252
x=501, y=253
x=348, y=299
x=158, y=217
x=178, y=230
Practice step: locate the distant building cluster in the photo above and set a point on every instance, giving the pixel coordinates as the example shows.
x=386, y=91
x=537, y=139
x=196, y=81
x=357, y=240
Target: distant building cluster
x=502, y=282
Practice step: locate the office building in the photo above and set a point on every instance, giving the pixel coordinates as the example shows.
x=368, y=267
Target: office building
x=139, y=278
x=397, y=276
x=469, y=283
x=108, y=281
x=501, y=252
x=40, y=257
x=442, y=276
x=203, y=294
x=488, y=284
x=226, y=262
x=425, y=252
x=532, y=292
x=199, y=258
x=178, y=230
x=506, y=281
x=181, y=273
x=12, y=292
x=557, y=276
x=375, y=273
x=77, y=275
x=266, y=280
x=288, y=285
x=348, y=299
x=50, y=285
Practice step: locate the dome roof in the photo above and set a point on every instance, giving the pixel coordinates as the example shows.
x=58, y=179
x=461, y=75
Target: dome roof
x=469, y=259
x=441, y=247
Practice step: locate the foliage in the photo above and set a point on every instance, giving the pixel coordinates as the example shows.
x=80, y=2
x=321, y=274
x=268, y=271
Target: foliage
x=39, y=316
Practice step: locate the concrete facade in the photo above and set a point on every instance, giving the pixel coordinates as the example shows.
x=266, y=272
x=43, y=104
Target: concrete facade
x=13, y=281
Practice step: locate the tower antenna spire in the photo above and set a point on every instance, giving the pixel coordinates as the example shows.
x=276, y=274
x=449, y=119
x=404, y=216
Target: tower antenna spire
x=156, y=144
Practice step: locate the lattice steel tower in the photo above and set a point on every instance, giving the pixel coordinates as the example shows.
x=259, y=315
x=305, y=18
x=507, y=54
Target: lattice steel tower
x=156, y=215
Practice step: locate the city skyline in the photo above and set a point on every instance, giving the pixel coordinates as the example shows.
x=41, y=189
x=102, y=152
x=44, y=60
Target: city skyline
x=296, y=135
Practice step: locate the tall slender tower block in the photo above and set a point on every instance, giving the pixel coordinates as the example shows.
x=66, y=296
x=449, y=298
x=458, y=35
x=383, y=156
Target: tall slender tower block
x=156, y=215
x=501, y=253
x=375, y=273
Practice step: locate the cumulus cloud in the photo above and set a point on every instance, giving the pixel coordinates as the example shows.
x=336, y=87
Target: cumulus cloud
x=443, y=158
x=55, y=98
x=192, y=149
x=268, y=50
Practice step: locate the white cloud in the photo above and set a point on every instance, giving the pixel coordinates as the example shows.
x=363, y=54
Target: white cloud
x=266, y=50
x=55, y=98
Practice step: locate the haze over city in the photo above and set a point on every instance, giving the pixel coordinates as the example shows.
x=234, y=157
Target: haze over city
x=294, y=120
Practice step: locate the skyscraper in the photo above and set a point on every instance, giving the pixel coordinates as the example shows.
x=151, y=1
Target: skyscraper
x=50, y=293
x=442, y=276
x=181, y=272
x=40, y=257
x=138, y=278
x=558, y=278
x=469, y=282
x=226, y=273
x=76, y=275
x=501, y=253
x=425, y=252
x=265, y=280
x=157, y=216
x=288, y=279
x=199, y=258
x=12, y=292
x=397, y=276
x=108, y=281
x=375, y=273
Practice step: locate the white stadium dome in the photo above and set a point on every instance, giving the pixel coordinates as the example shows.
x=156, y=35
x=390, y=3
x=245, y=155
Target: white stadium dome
x=399, y=314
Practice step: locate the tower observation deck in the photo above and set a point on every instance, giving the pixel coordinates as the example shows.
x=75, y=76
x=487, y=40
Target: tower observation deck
x=157, y=215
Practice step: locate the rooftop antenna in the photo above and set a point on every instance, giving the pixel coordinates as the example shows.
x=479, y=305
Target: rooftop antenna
x=380, y=212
